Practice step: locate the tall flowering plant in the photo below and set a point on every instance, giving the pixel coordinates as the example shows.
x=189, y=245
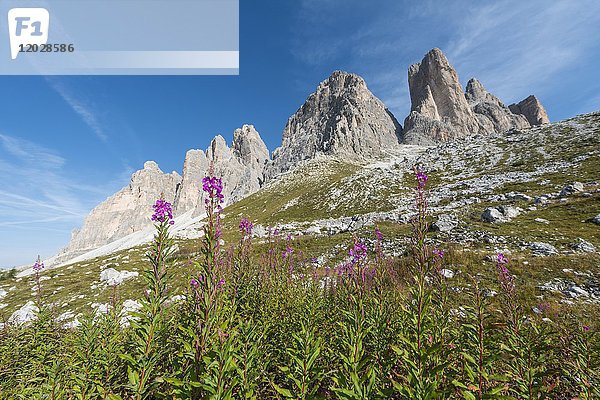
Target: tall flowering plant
x=208, y=353
x=38, y=266
x=151, y=323
x=526, y=343
x=420, y=350
x=357, y=375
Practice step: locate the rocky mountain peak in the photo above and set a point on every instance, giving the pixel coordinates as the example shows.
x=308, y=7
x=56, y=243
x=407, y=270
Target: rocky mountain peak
x=477, y=93
x=492, y=114
x=342, y=117
x=532, y=109
x=218, y=149
x=125, y=212
x=249, y=148
x=439, y=109
x=151, y=165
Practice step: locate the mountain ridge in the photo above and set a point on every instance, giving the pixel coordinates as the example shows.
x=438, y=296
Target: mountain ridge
x=341, y=118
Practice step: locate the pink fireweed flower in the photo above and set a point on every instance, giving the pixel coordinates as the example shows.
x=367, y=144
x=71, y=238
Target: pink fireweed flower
x=162, y=212
x=38, y=265
x=194, y=283
x=438, y=253
x=287, y=252
x=246, y=227
x=378, y=234
x=358, y=252
x=585, y=328
x=422, y=179
x=501, y=259
x=288, y=247
x=221, y=282
x=213, y=186
x=506, y=279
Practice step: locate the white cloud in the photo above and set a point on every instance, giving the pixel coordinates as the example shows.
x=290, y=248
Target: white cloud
x=80, y=106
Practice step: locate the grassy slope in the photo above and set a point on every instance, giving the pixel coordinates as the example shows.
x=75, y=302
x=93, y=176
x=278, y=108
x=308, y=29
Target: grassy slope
x=334, y=189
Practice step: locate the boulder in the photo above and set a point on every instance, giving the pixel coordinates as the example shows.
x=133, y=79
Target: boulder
x=444, y=223
x=500, y=214
x=542, y=249
x=583, y=246
x=492, y=215
x=575, y=187
x=27, y=313
x=112, y=277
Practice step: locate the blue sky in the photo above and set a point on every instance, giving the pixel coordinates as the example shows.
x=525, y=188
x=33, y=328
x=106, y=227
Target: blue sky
x=67, y=143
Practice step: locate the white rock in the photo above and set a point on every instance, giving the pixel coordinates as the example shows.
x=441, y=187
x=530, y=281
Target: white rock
x=447, y=273
x=113, y=277
x=542, y=249
x=25, y=314
x=583, y=246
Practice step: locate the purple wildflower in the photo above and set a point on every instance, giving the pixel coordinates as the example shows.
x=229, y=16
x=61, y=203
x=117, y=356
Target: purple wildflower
x=221, y=282
x=585, y=328
x=38, y=265
x=543, y=307
x=378, y=234
x=213, y=186
x=505, y=277
x=194, y=283
x=246, y=227
x=162, y=212
x=438, y=253
x=501, y=259
x=288, y=251
x=358, y=252
x=421, y=179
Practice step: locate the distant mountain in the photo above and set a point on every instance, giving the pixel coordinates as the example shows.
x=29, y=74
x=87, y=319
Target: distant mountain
x=440, y=111
x=341, y=120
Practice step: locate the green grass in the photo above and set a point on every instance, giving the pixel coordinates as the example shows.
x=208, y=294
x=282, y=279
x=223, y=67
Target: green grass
x=567, y=222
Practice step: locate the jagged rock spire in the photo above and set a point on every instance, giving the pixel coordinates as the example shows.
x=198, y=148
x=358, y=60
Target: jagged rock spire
x=342, y=117
x=532, y=109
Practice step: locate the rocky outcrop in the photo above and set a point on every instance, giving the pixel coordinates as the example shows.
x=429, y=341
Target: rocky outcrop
x=439, y=109
x=129, y=210
x=125, y=212
x=194, y=169
x=240, y=176
x=532, y=109
x=240, y=167
x=492, y=114
x=341, y=118
x=249, y=148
